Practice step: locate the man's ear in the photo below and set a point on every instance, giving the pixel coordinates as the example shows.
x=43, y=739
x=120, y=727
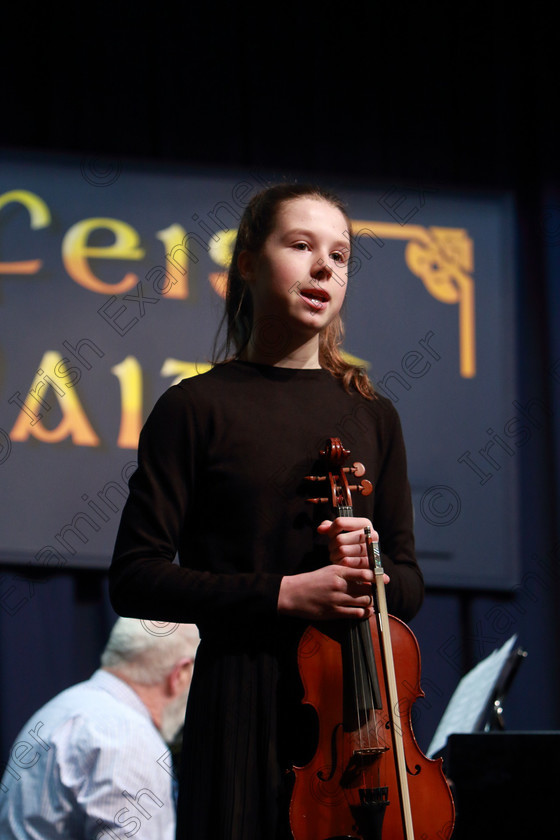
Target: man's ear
x=180, y=676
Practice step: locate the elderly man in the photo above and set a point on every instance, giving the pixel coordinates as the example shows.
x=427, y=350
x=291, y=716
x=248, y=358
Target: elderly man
x=93, y=762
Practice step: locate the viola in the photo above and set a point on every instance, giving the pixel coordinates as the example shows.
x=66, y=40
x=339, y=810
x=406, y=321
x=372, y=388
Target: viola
x=368, y=779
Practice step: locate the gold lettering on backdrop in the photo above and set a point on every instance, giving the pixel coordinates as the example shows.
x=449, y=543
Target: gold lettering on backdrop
x=222, y=252
x=53, y=378
x=129, y=374
x=183, y=370
x=443, y=259
x=176, y=256
x=39, y=217
x=76, y=251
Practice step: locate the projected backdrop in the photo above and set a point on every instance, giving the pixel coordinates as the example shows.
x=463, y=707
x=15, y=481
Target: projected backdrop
x=111, y=286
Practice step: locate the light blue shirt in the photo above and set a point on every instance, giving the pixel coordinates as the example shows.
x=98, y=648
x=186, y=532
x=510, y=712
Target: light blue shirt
x=89, y=765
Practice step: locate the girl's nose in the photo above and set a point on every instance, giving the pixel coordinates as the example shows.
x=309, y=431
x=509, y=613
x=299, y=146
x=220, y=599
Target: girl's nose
x=322, y=269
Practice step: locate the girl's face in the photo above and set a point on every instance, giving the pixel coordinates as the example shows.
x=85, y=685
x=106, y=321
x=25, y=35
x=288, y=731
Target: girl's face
x=299, y=276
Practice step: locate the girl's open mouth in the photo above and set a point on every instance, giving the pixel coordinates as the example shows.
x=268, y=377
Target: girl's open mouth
x=317, y=298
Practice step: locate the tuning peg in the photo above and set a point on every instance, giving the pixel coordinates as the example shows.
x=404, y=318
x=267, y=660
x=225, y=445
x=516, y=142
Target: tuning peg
x=365, y=488
x=356, y=469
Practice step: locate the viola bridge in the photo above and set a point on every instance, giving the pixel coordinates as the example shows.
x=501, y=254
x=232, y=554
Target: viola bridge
x=360, y=760
x=368, y=754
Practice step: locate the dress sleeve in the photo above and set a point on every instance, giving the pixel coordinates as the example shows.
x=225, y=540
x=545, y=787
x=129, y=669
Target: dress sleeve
x=393, y=520
x=144, y=580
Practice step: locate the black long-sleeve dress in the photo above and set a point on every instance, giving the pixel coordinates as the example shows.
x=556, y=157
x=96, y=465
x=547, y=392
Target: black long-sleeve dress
x=221, y=480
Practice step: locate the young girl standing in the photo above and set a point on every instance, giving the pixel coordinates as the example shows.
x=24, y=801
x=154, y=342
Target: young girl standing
x=221, y=473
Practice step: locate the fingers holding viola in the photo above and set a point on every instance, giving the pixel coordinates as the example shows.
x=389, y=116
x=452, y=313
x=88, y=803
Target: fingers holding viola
x=347, y=541
x=349, y=594
x=327, y=593
x=348, y=524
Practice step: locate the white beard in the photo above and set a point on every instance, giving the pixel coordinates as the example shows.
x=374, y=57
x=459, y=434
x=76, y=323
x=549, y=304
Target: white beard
x=173, y=717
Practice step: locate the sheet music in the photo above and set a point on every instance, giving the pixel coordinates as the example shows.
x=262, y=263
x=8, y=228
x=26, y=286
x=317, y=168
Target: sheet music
x=470, y=697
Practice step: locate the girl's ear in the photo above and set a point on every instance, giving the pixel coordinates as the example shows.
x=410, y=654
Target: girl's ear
x=245, y=264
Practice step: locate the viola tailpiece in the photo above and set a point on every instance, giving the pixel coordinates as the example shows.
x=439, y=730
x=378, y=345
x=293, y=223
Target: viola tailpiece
x=362, y=678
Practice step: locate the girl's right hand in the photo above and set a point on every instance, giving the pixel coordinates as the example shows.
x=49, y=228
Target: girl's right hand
x=327, y=593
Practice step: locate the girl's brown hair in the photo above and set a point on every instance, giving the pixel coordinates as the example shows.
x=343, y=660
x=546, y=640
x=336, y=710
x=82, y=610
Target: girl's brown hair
x=255, y=226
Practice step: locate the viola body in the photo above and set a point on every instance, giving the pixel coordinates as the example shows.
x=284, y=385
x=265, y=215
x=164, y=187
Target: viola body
x=332, y=793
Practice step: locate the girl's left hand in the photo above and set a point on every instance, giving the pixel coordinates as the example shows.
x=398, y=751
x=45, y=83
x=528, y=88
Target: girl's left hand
x=347, y=541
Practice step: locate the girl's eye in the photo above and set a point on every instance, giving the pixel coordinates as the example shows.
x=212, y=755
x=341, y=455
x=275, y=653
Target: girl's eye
x=339, y=256
x=301, y=246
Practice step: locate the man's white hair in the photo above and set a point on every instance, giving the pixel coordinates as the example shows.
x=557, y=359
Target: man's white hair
x=146, y=652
